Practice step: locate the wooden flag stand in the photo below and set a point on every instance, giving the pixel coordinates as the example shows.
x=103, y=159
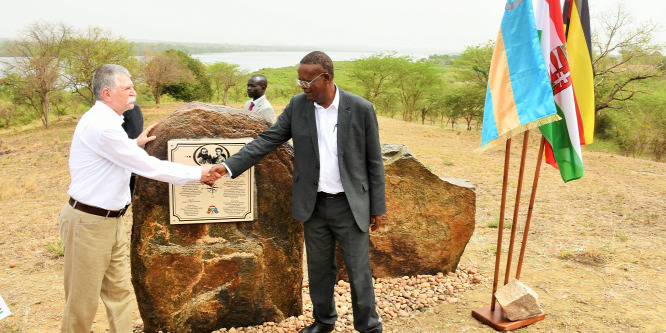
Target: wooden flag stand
x=491, y=315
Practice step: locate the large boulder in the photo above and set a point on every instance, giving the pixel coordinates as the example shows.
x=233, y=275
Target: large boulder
x=428, y=222
x=202, y=277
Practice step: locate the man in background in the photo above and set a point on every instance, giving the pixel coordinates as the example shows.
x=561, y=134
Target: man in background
x=101, y=160
x=256, y=89
x=133, y=126
x=338, y=190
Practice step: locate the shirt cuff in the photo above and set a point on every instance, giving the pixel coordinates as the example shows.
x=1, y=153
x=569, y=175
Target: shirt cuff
x=228, y=171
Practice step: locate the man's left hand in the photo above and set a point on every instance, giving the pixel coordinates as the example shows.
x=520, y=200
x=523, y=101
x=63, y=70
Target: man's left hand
x=143, y=138
x=376, y=222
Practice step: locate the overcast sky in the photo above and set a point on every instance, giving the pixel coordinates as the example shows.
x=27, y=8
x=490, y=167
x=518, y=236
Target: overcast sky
x=434, y=26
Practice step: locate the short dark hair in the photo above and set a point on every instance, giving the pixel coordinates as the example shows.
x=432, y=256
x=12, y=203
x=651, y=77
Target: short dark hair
x=261, y=79
x=319, y=58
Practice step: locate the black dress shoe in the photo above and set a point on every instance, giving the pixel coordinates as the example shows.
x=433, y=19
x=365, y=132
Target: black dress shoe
x=318, y=328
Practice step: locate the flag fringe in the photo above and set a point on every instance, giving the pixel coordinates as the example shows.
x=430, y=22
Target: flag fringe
x=515, y=131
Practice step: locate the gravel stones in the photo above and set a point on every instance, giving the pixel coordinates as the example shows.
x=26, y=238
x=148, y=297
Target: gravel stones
x=395, y=298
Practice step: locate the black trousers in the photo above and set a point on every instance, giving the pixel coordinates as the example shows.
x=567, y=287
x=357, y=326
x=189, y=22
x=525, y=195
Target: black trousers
x=332, y=221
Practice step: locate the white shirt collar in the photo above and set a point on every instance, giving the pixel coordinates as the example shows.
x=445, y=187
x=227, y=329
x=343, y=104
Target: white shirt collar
x=336, y=100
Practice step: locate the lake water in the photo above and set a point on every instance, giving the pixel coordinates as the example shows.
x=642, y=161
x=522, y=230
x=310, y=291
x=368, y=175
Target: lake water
x=254, y=61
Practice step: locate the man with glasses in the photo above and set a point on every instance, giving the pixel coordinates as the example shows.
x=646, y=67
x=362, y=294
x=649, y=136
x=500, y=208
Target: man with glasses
x=338, y=188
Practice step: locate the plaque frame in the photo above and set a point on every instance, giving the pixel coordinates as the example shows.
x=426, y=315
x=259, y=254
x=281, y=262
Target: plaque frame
x=194, y=202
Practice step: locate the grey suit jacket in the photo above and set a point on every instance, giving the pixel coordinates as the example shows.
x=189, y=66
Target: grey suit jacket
x=359, y=155
x=264, y=108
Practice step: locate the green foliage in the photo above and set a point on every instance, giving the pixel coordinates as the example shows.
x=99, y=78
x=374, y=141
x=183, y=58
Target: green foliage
x=443, y=59
x=88, y=51
x=223, y=76
x=199, y=90
x=466, y=97
x=281, y=84
x=639, y=128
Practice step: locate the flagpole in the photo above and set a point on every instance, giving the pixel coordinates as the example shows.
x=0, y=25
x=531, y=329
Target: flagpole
x=537, y=171
x=489, y=314
x=498, y=251
x=516, y=207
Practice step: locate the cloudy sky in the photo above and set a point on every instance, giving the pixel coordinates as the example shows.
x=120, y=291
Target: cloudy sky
x=435, y=26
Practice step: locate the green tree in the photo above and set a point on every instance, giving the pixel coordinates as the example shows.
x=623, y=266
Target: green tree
x=375, y=73
x=414, y=81
x=466, y=98
x=197, y=89
x=223, y=76
x=624, y=55
x=164, y=69
x=35, y=71
x=465, y=101
x=88, y=51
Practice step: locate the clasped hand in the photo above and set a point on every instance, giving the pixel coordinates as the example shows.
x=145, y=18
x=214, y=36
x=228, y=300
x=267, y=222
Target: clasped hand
x=210, y=174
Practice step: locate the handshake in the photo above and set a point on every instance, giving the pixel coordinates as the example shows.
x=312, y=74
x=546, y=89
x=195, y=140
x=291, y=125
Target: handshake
x=211, y=173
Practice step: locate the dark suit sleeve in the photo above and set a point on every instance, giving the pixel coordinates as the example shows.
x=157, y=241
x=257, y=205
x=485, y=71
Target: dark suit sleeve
x=263, y=144
x=375, y=164
x=133, y=124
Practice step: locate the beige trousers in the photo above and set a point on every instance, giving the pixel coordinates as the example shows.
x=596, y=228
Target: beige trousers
x=95, y=266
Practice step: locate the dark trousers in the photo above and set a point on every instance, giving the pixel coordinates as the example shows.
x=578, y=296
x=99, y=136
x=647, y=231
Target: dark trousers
x=332, y=221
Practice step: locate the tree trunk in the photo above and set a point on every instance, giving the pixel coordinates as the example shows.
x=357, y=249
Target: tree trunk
x=660, y=151
x=226, y=93
x=46, y=108
x=157, y=91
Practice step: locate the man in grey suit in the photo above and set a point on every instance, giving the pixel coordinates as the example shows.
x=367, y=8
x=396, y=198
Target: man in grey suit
x=338, y=186
x=256, y=89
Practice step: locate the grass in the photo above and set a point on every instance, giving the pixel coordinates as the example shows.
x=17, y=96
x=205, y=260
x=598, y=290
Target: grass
x=55, y=248
x=584, y=239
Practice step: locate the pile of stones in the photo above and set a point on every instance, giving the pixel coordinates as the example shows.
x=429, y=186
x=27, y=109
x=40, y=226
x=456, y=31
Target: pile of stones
x=395, y=298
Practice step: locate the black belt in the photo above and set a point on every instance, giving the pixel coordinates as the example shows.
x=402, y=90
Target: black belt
x=330, y=195
x=96, y=210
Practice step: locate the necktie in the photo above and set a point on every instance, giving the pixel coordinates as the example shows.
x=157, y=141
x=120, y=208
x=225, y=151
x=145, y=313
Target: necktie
x=251, y=105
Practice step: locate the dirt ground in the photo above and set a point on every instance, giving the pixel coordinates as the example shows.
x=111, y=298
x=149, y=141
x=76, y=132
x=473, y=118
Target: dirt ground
x=595, y=251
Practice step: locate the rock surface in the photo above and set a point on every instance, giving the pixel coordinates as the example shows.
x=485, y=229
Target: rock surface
x=428, y=223
x=202, y=277
x=518, y=301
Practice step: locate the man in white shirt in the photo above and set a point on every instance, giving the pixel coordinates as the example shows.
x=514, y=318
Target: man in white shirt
x=338, y=186
x=256, y=89
x=102, y=158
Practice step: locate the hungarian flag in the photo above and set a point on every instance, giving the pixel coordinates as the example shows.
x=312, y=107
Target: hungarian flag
x=519, y=96
x=563, y=135
x=577, y=29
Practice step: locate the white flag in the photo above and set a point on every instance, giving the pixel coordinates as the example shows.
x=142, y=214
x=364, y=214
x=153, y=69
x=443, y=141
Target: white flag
x=4, y=310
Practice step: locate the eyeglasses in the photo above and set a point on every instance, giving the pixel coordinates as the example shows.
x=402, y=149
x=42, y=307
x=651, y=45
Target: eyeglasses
x=306, y=84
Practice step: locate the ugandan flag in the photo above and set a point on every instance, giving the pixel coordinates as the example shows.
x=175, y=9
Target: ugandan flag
x=519, y=96
x=576, y=15
x=563, y=139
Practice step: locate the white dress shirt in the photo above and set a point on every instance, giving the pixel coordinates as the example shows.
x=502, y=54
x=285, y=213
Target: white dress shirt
x=102, y=158
x=327, y=137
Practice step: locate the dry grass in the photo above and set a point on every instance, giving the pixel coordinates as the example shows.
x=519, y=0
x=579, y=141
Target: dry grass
x=595, y=253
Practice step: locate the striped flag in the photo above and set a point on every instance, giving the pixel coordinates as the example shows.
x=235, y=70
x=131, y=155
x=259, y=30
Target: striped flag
x=577, y=24
x=563, y=135
x=519, y=96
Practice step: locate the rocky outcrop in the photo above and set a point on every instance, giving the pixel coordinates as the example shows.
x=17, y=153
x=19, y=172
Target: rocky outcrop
x=202, y=277
x=428, y=223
